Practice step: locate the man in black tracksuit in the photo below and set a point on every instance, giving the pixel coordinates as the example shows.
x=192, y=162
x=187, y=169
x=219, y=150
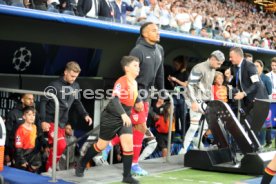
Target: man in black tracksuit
x=151, y=56
x=151, y=67
x=62, y=88
x=14, y=120
x=67, y=92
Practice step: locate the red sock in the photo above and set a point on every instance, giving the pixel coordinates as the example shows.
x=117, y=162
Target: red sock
x=137, y=145
x=115, y=140
x=60, y=149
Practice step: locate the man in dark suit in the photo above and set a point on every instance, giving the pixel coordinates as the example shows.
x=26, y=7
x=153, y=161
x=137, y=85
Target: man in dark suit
x=246, y=79
x=95, y=9
x=249, y=87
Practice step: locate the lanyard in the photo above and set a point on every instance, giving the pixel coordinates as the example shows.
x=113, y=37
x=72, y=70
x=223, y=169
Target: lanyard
x=272, y=80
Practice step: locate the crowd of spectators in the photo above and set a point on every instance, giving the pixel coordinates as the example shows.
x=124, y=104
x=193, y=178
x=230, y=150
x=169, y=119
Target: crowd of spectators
x=233, y=21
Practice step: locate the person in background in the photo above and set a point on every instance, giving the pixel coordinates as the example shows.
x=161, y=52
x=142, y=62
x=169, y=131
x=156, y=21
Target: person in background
x=272, y=76
x=219, y=90
x=179, y=81
x=14, y=120
x=227, y=76
x=25, y=156
x=70, y=138
x=268, y=86
x=95, y=9
x=162, y=126
x=120, y=10
x=248, y=57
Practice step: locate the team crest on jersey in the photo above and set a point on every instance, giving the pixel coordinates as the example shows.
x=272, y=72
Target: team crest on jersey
x=117, y=88
x=17, y=140
x=135, y=117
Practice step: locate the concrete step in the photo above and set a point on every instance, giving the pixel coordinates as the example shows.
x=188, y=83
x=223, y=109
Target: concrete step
x=113, y=173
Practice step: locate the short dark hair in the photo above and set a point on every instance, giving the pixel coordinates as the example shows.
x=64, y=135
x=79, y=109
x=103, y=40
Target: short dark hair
x=182, y=60
x=126, y=60
x=24, y=94
x=256, y=39
x=28, y=109
x=248, y=55
x=237, y=50
x=273, y=60
x=68, y=123
x=143, y=27
x=260, y=62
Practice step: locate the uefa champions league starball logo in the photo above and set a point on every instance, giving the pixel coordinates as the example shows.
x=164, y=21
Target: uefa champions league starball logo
x=21, y=59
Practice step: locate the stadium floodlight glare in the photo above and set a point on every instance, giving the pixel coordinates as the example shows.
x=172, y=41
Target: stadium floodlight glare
x=268, y=4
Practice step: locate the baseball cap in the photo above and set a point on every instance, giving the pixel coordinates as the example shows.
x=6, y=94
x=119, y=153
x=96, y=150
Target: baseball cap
x=219, y=55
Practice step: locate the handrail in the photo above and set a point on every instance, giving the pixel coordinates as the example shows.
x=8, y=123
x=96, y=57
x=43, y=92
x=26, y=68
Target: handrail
x=83, y=136
x=170, y=127
x=53, y=96
x=95, y=129
x=77, y=140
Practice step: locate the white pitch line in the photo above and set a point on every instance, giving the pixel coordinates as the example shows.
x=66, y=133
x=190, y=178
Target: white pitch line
x=188, y=180
x=157, y=176
x=172, y=178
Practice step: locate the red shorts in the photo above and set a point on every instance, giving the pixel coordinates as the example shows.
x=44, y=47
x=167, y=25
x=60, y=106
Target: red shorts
x=61, y=133
x=140, y=117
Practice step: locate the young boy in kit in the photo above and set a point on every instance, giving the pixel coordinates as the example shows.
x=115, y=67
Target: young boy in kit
x=25, y=137
x=115, y=119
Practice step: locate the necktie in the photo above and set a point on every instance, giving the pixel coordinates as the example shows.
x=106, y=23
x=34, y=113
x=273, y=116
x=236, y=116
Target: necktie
x=237, y=76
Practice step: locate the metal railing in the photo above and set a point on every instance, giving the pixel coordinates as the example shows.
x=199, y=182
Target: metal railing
x=111, y=160
x=53, y=96
x=91, y=132
x=170, y=127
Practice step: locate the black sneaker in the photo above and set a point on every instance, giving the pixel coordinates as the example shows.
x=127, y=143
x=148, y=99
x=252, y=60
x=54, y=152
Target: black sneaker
x=131, y=180
x=79, y=170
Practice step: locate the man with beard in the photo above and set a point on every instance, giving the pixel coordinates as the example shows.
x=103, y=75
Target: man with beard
x=14, y=120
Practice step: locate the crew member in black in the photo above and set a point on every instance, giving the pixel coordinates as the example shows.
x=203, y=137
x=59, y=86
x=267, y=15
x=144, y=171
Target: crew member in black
x=67, y=92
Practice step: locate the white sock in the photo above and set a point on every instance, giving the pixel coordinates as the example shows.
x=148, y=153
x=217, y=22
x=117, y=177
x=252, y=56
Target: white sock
x=134, y=164
x=189, y=136
x=150, y=147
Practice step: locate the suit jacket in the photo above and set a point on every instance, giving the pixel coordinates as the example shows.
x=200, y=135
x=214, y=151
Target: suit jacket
x=121, y=12
x=248, y=82
x=84, y=6
x=267, y=82
x=105, y=9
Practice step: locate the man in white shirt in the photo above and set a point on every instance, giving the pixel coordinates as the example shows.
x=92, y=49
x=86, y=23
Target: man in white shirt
x=272, y=76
